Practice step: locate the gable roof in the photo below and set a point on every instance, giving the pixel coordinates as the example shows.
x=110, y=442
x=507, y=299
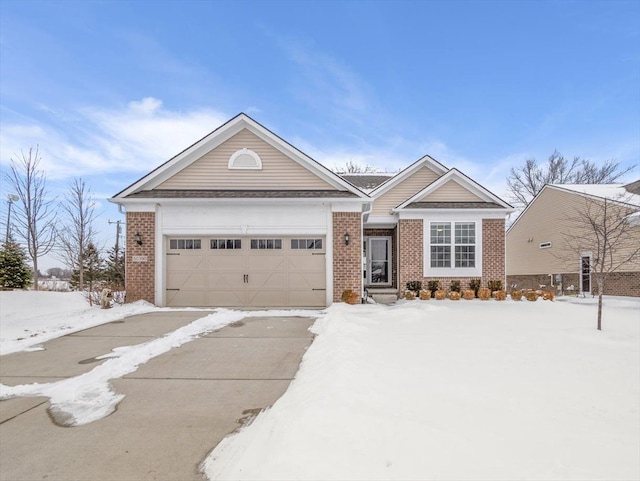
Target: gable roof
x=426, y=161
x=618, y=193
x=220, y=135
x=367, y=181
x=488, y=200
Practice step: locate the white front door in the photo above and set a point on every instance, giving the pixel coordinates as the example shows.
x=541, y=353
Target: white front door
x=378, y=261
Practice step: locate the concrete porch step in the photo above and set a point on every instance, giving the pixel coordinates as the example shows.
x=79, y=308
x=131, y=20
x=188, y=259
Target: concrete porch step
x=383, y=295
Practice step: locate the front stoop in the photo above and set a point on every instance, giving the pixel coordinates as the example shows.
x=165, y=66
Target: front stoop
x=383, y=295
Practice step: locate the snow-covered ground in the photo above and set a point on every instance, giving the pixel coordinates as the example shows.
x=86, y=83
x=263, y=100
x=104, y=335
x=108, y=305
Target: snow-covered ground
x=465, y=390
x=443, y=390
x=29, y=318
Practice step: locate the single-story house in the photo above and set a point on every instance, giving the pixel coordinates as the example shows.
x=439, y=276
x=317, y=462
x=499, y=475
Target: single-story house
x=546, y=245
x=242, y=218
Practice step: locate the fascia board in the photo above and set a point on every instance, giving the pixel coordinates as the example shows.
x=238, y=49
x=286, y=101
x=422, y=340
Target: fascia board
x=224, y=133
x=464, y=181
x=426, y=161
x=420, y=213
x=592, y=196
x=237, y=200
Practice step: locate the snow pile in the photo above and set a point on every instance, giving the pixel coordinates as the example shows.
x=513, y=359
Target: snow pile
x=29, y=318
x=454, y=390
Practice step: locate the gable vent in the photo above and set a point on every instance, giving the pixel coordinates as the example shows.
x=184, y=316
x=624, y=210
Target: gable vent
x=245, y=159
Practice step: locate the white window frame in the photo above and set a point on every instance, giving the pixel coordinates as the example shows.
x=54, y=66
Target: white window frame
x=452, y=271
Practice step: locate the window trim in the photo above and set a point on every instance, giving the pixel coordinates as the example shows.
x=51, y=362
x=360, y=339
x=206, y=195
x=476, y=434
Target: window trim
x=244, y=151
x=452, y=271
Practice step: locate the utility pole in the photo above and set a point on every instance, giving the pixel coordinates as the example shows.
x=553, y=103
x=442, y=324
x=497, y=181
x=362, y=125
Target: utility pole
x=118, y=232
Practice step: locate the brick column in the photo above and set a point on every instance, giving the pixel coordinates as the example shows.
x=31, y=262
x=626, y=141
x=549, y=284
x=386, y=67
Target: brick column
x=411, y=239
x=140, y=260
x=347, y=260
x=493, y=251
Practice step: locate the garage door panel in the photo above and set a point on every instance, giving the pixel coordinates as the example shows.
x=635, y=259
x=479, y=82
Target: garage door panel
x=227, y=298
x=307, y=298
x=267, y=280
x=225, y=280
x=239, y=277
x=226, y=262
x=267, y=298
x=313, y=280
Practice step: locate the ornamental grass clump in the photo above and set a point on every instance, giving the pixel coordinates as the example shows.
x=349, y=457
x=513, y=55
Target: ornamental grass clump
x=547, y=296
x=500, y=295
x=531, y=295
x=484, y=293
x=425, y=294
x=454, y=296
x=350, y=297
x=468, y=294
x=516, y=295
x=440, y=295
x=410, y=296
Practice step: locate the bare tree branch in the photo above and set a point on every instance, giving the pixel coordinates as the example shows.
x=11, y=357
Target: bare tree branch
x=35, y=218
x=77, y=231
x=526, y=181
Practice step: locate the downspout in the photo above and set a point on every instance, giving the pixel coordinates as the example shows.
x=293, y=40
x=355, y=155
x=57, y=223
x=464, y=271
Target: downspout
x=364, y=212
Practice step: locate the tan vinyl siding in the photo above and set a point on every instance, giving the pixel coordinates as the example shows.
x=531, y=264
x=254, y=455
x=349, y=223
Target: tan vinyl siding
x=278, y=171
x=451, y=192
x=552, y=214
x=403, y=191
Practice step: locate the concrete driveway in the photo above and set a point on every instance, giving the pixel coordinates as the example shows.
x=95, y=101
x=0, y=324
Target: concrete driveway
x=177, y=408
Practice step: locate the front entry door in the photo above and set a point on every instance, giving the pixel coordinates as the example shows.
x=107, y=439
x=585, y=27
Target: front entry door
x=585, y=274
x=379, y=261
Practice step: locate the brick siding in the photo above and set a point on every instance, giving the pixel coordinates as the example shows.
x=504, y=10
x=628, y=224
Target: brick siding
x=347, y=260
x=411, y=238
x=140, y=276
x=617, y=283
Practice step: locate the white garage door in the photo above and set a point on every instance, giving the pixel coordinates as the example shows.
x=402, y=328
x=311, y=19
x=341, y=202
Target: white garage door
x=259, y=271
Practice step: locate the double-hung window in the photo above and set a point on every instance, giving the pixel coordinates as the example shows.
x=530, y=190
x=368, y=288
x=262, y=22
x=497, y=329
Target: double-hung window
x=453, y=245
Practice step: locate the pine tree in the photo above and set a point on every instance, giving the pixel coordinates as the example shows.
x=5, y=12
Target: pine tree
x=14, y=271
x=114, y=271
x=93, y=269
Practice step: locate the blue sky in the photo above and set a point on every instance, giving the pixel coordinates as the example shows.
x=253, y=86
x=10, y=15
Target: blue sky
x=109, y=90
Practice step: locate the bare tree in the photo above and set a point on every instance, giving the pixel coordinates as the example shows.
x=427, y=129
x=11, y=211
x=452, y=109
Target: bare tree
x=351, y=167
x=77, y=231
x=35, y=217
x=603, y=228
x=526, y=181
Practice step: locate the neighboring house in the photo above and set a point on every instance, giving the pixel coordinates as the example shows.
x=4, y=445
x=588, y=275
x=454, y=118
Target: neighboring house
x=244, y=219
x=541, y=245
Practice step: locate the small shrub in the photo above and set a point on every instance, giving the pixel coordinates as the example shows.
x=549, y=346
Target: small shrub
x=495, y=286
x=455, y=286
x=454, y=296
x=531, y=295
x=414, y=286
x=548, y=296
x=425, y=294
x=350, y=297
x=410, y=295
x=468, y=294
x=484, y=293
x=440, y=295
x=500, y=295
x=474, y=284
x=516, y=295
x=433, y=286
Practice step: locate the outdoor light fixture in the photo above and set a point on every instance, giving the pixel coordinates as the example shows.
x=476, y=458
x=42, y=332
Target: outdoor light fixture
x=346, y=239
x=138, y=238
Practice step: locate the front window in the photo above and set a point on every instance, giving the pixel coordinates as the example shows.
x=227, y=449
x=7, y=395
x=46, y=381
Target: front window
x=462, y=244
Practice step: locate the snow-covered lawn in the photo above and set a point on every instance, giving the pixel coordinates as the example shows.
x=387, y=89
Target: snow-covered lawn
x=443, y=390
x=465, y=390
x=29, y=318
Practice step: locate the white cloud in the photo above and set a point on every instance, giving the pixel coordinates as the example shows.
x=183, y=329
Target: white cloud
x=134, y=138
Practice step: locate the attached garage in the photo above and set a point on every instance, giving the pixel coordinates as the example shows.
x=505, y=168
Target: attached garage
x=245, y=271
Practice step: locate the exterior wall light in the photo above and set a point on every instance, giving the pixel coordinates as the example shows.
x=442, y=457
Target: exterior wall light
x=138, y=238
x=346, y=239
